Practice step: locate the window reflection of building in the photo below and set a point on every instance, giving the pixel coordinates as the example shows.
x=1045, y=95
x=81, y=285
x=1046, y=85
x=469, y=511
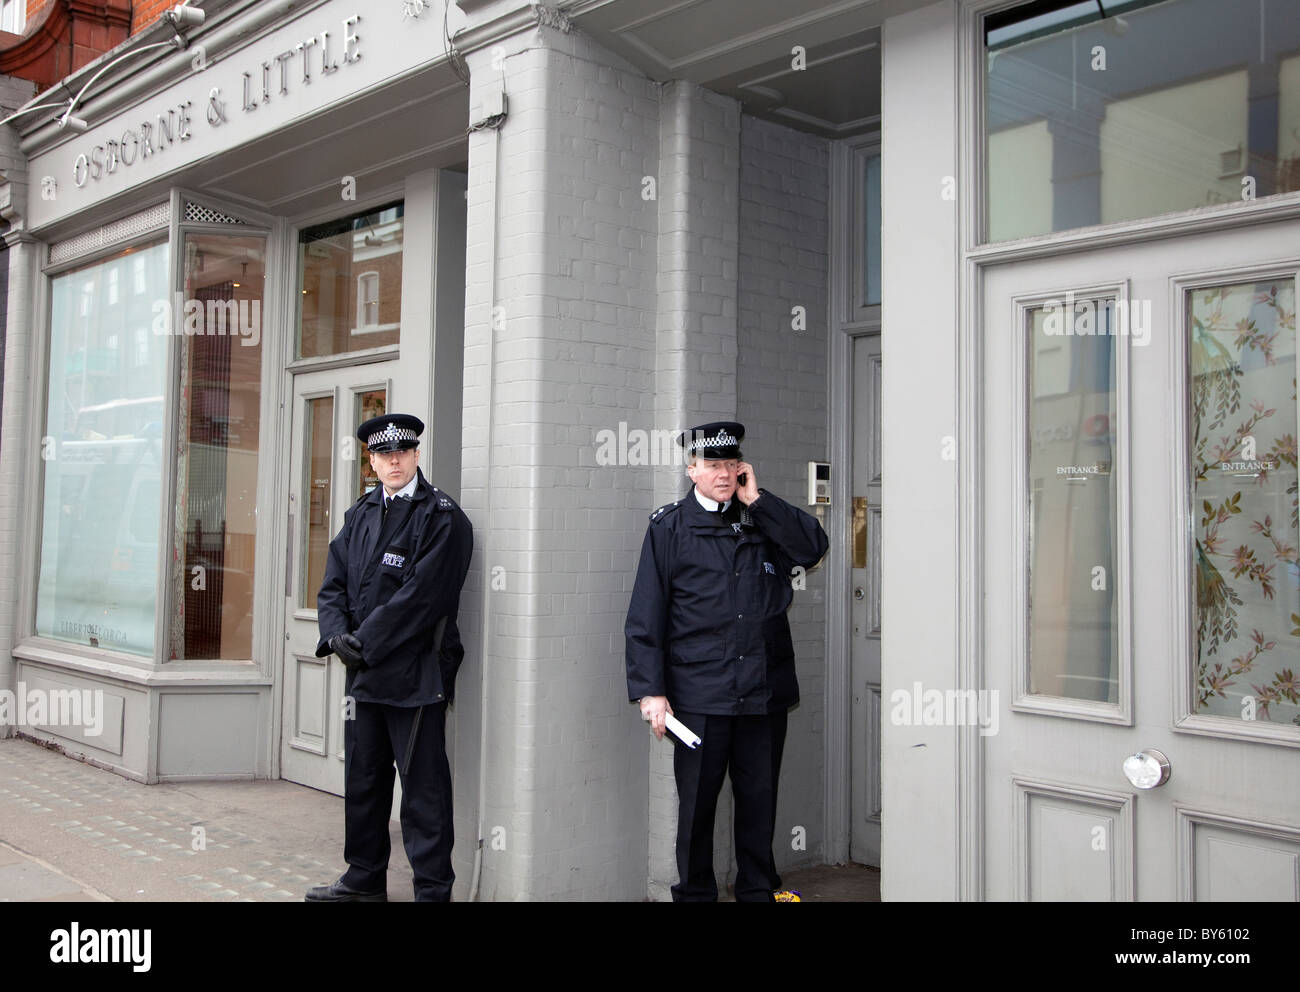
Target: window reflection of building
x=350, y=283
x=1073, y=498
x=1097, y=120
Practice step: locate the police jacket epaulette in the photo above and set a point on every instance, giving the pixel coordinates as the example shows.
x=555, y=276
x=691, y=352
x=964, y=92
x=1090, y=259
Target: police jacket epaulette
x=445, y=502
x=664, y=511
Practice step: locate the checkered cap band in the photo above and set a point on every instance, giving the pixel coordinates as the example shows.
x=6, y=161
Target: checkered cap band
x=390, y=434
x=722, y=440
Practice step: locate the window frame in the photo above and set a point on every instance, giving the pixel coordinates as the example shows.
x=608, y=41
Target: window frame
x=973, y=184
x=389, y=196
x=1119, y=713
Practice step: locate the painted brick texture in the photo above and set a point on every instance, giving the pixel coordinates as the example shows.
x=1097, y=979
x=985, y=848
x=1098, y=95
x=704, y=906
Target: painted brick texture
x=615, y=308
x=782, y=400
x=699, y=137
x=574, y=354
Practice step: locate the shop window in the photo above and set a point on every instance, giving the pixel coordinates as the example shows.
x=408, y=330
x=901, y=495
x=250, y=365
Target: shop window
x=350, y=283
x=216, y=470
x=102, y=457
x=1094, y=115
x=1242, y=357
x=1073, y=502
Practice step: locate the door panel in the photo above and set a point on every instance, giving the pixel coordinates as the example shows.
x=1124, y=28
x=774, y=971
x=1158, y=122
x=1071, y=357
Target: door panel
x=864, y=606
x=330, y=471
x=1093, y=637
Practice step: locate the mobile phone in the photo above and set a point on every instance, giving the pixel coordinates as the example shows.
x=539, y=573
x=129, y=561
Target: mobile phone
x=743, y=479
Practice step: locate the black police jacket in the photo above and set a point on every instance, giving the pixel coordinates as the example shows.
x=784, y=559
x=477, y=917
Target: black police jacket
x=390, y=586
x=707, y=624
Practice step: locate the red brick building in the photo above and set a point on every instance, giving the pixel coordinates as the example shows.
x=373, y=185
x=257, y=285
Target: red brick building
x=58, y=37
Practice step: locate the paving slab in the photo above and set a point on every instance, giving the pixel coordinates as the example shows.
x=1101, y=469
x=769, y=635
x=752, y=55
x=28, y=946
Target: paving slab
x=262, y=841
x=70, y=830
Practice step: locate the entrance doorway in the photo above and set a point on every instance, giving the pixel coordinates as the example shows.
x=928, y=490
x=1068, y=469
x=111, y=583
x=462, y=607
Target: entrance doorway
x=329, y=472
x=856, y=331
x=1139, y=514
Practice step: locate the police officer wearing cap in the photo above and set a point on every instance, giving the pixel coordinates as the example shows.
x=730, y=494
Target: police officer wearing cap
x=387, y=610
x=708, y=642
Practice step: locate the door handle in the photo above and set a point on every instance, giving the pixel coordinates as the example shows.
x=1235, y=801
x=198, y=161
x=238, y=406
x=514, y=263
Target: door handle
x=1148, y=769
x=858, y=536
x=288, y=561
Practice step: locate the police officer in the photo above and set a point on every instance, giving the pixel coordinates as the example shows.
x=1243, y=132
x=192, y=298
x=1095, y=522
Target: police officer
x=387, y=610
x=708, y=642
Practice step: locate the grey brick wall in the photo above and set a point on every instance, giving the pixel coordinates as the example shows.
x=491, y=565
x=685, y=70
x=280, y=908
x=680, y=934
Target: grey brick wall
x=782, y=401
x=615, y=308
x=575, y=272
x=699, y=197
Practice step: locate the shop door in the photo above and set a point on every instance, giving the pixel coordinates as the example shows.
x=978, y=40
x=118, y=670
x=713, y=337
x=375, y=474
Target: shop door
x=864, y=606
x=330, y=471
x=1141, y=590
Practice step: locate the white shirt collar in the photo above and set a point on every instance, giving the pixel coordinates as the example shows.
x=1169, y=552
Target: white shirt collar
x=709, y=504
x=406, y=490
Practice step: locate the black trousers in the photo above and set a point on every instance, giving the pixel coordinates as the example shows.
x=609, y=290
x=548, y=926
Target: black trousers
x=750, y=746
x=372, y=742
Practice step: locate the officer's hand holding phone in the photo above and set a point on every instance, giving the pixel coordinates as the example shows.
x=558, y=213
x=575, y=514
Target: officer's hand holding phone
x=746, y=483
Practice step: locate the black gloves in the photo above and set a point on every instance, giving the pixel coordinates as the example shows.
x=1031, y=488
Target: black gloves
x=348, y=649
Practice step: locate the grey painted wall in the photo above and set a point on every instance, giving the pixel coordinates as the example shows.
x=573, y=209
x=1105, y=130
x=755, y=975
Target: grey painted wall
x=782, y=395
x=561, y=239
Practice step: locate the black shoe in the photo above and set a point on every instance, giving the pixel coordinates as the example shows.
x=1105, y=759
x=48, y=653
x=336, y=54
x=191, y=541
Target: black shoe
x=338, y=892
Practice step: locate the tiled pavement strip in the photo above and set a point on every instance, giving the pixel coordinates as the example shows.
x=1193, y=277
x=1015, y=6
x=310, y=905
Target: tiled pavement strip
x=70, y=831
x=73, y=832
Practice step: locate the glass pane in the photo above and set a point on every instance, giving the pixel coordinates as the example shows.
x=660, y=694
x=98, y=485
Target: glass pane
x=369, y=404
x=871, y=277
x=1093, y=120
x=1073, y=634
x=350, y=283
x=1243, y=438
x=103, y=452
x=319, y=446
x=216, y=495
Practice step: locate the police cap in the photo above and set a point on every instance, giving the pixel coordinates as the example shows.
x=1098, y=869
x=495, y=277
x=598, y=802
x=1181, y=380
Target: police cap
x=717, y=440
x=391, y=432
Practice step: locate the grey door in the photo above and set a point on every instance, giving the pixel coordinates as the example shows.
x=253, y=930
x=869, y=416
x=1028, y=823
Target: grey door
x=330, y=471
x=1141, y=589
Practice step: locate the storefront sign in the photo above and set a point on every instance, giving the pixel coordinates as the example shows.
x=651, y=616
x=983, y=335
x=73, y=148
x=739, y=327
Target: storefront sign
x=321, y=53
x=303, y=64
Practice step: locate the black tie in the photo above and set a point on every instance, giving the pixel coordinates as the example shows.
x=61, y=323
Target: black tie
x=384, y=516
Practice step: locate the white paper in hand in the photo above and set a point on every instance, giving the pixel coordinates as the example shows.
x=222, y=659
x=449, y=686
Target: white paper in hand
x=682, y=732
